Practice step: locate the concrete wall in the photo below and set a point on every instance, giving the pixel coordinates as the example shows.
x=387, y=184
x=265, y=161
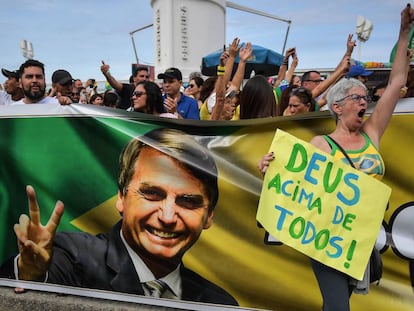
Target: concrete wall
x=45, y=297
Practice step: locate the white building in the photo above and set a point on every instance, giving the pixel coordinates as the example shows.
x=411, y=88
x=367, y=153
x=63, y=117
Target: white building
x=185, y=31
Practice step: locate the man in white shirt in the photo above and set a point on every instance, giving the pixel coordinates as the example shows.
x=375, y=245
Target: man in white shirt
x=12, y=90
x=32, y=79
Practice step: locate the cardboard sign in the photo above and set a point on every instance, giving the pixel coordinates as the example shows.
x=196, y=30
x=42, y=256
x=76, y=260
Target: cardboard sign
x=321, y=206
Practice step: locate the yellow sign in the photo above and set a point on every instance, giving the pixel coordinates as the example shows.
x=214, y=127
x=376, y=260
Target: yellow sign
x=321, y=206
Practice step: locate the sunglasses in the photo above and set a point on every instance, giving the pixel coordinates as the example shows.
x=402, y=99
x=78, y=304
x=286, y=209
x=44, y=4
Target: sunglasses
x=191, y=85
x=314, y=81
x=138, y=94
x=302, y=90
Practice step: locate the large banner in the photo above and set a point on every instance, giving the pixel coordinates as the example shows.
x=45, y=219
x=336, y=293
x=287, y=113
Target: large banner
x=71, y=153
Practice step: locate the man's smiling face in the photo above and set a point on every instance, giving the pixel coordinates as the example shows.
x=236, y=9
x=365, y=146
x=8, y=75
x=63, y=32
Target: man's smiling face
x=164, y=208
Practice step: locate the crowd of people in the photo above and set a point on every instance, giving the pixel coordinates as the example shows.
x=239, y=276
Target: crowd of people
x=257, y=97
x=222, y=97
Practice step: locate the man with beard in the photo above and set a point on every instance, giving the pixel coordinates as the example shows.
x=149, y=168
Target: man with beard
x=33, y=83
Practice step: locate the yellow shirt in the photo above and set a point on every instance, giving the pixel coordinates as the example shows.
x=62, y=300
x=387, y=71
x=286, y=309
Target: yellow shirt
x=367, y=159
x=205, y=115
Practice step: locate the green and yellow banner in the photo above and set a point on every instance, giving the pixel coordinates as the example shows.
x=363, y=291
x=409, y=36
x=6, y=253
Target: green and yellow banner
x=70, y=153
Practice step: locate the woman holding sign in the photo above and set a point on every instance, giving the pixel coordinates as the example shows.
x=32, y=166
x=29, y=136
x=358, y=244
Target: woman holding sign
x=360, y=139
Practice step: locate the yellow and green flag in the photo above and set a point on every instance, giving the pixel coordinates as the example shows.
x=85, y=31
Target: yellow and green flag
x=70, y=153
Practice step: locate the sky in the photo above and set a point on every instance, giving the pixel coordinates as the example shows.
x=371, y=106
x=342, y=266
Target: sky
x=76, y=35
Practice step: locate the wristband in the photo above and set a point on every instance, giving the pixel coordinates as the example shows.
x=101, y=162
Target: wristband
x=220, y=70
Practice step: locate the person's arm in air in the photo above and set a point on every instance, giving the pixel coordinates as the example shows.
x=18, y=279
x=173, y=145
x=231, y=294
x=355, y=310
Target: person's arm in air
x=111, y=80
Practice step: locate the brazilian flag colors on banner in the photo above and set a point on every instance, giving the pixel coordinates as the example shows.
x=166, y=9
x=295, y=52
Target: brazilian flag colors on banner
x=70, y=153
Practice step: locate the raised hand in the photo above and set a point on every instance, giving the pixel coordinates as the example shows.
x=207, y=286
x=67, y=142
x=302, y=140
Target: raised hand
x=350, y=44
x=63, y=100
x=234, y=47
x=245, y=52
x=407, y=18
x=345, y=64
x=290, y=52
x=295, y=60
x=224, y=56
x=35, y=240
x=104, y=68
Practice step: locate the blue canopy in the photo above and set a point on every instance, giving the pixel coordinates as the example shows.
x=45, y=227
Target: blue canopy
x=263, y=61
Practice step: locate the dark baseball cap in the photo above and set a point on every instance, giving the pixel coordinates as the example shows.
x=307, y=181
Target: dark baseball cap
x=171, y=73
x=10, y=74
x=61, y=76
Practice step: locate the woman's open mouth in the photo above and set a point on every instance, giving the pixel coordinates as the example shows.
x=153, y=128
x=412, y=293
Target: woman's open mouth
x=361, y=113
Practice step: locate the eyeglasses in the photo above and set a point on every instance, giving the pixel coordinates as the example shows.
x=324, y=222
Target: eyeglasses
x=356, y=98
x=138, y=94
x=191, y=86
x=314, y=81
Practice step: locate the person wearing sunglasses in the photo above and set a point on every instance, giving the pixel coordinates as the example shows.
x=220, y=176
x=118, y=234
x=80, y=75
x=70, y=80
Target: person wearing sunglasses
x=147, y=98
x=300, y=101
x=360, y=138
x=124, y=90
x=194, y=89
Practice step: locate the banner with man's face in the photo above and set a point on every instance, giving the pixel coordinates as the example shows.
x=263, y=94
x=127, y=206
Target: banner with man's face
x=72, y=153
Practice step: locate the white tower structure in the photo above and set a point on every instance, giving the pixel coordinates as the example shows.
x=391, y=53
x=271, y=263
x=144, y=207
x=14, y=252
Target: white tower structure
x=185, y=31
